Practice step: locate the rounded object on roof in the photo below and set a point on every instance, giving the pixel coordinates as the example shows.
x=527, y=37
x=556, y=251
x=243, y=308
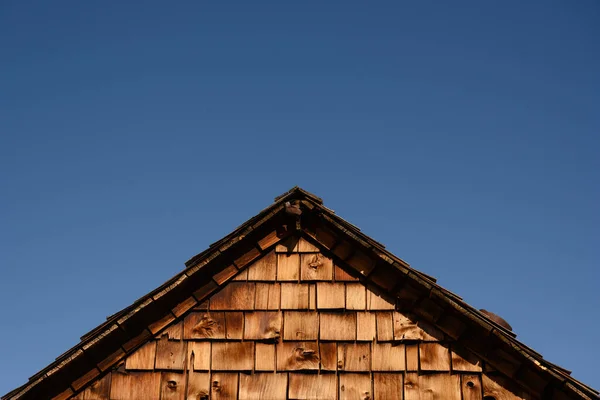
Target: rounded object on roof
x=497, y=319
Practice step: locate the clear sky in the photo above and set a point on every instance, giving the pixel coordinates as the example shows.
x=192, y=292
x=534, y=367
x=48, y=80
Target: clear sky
x=464, y=136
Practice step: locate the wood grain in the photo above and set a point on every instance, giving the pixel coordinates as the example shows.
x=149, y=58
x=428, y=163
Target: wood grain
x=234, y=296
x=331, y=295
x=172, y=386
x=356, y=296
x=135, y=385
x=234, y=325
x=293, y=356
x=294, y=296
x=366, y=326
x=170, y=355
x=315, y=267
x=142, y=358
x=264, y=269
x=471, y=387
x=288, y=267
x=263, y=386
x=300, y=325
x=387, y=386
x=232, y=356
x=204, y=325
x=267, y=296
x=385, y=327
x=224, y=386
x=387, y=357
x=262, y=325
x=337, y=326
x=312, y=387
x=434, y=357
x=354, y=356
x=264, y=357
x=355, y=387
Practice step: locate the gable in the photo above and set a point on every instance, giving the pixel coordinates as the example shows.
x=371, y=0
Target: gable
x=213, y=275
x=294, y=324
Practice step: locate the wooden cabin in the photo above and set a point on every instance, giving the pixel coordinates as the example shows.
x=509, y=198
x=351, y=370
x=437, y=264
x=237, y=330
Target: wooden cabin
x=297, y=303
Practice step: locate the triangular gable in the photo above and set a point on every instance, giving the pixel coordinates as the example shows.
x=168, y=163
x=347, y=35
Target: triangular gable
x=222, y=270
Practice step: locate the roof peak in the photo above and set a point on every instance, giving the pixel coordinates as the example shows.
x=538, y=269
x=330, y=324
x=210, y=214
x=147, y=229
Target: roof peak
x=297, y=192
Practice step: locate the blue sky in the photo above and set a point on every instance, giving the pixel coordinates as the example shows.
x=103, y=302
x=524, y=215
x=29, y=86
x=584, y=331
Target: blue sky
x=464, y=136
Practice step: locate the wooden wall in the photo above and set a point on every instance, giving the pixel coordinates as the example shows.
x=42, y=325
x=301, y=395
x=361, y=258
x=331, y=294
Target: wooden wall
x=295, y=326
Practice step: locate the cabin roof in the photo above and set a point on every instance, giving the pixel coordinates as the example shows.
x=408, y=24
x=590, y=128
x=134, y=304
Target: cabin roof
x=300, y=213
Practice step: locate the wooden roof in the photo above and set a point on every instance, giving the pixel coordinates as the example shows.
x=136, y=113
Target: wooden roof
x=300, y=213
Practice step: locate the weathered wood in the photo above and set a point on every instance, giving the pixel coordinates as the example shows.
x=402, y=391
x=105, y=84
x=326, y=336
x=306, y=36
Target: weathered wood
x=312, y=387
x=366, y=326
x=198, y=386
x=112, y=359
x=375, y=302
x=356, y=296
x=304, y=246
x=241, y=276
x=224, y=275
x=85, y=379
x=293, y=356
x=170, y=355
x=247, y=258
x=337, y=326
x=98, y=390
x=463, y=360
x=387, y=386
x=173, y=332
x=315, y=267
x=265, y=357
x=354, y=356
x=184, y=306
x=135, y=385
x=406, y=328
x=385, y=326
x=142, y=358
x=328, y=356
x=312, y=297
x=361, y=262
x=264, y=269
x=204, y=325
x=501, y=389
x=198, y=356
x=331, y=295
x=471, y=387
x=325, y=237
x=289, y=245
x=431, y=386
x=434, y=357
x=355, y=387
x=340, y=275
x=64, y=395
x=263, y=386
x=267, y=296
x=232, y=356
x=224, y=386
x=412, y=357
x=234, y=296
x=386, y=357
x=172, y=386
x=294, y=296
x=234, y=325
x=159, y=325
x=268, y=240
x=300, y=325
x=288, y=267
x=262, y=325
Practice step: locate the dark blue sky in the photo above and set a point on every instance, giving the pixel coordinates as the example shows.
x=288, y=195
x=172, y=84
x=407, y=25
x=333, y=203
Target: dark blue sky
x=464, y=136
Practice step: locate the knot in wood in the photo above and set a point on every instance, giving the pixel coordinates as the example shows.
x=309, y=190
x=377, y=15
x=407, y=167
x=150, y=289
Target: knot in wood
x=172, y=385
